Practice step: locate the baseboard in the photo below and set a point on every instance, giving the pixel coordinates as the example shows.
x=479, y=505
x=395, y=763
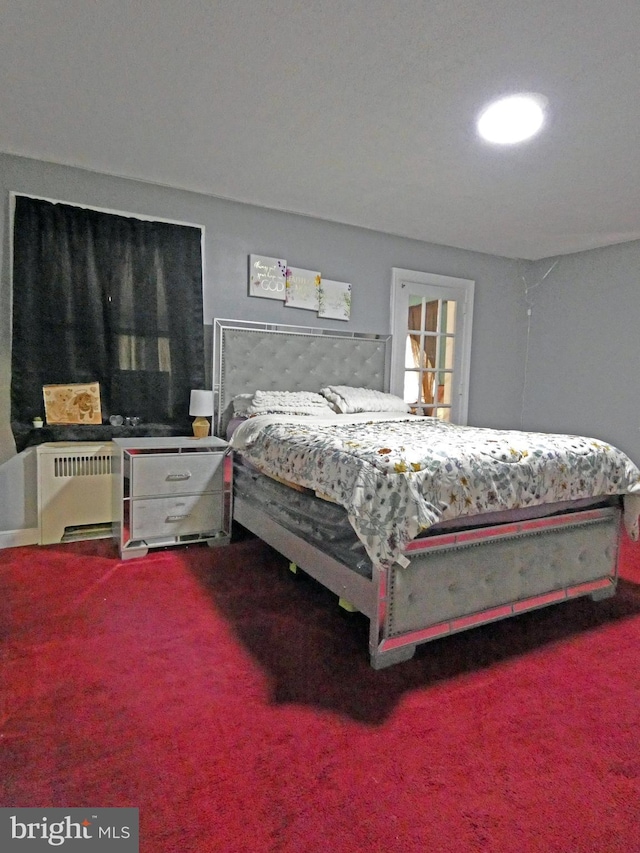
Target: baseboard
x=16, y=538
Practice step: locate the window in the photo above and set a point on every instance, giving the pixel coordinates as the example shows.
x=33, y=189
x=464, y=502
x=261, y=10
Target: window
x=107, y=298
x=431, y=325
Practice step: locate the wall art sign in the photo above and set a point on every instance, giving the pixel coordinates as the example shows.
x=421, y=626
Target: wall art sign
x=267, y=277
x=302, y=288
x=72, y=404
x=334, y=300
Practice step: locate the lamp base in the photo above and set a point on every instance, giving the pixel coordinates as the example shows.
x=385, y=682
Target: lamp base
x=200, y=427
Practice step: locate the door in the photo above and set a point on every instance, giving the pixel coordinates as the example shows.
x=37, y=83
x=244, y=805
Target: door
x=431, y=317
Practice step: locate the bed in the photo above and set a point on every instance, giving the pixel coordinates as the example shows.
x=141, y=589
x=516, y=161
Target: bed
x=359, y=502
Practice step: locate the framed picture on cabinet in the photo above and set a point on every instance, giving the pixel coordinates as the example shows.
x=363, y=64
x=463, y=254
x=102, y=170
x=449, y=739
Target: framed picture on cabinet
x=72, y=404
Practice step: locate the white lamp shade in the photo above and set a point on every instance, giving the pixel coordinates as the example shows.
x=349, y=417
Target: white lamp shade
x=201, y=404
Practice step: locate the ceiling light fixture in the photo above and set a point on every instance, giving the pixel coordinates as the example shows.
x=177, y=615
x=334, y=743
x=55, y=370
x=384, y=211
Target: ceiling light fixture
x=512, y=119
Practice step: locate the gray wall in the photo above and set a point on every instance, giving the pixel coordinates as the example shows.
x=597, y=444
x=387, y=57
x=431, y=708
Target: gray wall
x=233, y=231
x=583, y=373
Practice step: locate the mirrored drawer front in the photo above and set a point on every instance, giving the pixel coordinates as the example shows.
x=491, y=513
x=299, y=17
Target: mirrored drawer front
x=178, y=515
x=174, y=474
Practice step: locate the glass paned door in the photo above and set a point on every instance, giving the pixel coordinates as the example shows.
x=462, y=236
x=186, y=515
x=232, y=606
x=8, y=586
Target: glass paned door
x=429, y=356
x=431, y=328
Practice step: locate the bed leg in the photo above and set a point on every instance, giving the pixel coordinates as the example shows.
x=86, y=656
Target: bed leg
x=347, y=605
x=380, y=660
x=605, y=592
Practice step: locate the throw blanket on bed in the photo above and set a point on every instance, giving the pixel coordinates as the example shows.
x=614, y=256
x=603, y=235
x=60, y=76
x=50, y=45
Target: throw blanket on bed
x=398, y=475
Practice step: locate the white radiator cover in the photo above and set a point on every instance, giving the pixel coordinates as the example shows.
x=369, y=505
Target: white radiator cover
x=75, y=489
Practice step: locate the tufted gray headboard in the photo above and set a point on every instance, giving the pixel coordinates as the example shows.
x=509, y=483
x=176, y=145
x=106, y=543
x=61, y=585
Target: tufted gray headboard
x=272, y=357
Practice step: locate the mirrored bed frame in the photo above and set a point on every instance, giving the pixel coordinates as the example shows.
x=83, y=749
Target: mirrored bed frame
x=456, y=578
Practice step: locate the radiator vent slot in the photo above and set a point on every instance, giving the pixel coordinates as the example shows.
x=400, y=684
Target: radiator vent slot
x=81, y=466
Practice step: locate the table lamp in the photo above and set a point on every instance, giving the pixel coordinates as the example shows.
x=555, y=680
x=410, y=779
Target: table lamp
x=201, y=406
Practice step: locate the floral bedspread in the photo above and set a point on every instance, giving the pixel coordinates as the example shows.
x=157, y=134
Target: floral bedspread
x=398, y=475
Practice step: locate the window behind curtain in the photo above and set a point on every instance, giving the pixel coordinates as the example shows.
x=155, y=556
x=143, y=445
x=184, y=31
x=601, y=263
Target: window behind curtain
x=106, y=298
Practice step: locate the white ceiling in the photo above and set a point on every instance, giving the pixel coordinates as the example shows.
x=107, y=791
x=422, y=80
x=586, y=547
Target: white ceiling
x=357, y=111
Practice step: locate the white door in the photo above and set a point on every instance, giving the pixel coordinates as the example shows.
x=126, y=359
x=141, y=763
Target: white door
x=431, y=318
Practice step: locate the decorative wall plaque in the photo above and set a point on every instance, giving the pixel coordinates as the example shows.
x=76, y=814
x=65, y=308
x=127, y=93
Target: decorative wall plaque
x=267, y=277
x=334, y=299
x=302, y=288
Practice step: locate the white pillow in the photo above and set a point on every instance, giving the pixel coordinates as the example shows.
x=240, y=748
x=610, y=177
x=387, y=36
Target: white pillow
x=288, y=403
x=241, y=403
x=349, y=401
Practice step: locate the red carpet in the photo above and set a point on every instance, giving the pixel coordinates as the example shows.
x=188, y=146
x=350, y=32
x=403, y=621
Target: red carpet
x=235, y=706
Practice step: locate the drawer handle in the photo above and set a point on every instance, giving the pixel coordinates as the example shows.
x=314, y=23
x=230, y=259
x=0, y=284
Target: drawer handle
x=178, y=517
x=181, y=476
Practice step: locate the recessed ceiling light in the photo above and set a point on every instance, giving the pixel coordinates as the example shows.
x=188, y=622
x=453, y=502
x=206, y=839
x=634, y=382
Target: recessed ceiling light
x=512, y=119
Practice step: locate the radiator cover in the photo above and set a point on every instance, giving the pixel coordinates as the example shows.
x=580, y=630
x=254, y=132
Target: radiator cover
x=75, y=488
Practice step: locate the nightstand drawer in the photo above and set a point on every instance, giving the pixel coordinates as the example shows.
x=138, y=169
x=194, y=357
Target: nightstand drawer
x=176, y=473
x=178, y=515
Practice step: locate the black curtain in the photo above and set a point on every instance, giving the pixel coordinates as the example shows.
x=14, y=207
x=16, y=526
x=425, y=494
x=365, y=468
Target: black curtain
x=110, y=299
